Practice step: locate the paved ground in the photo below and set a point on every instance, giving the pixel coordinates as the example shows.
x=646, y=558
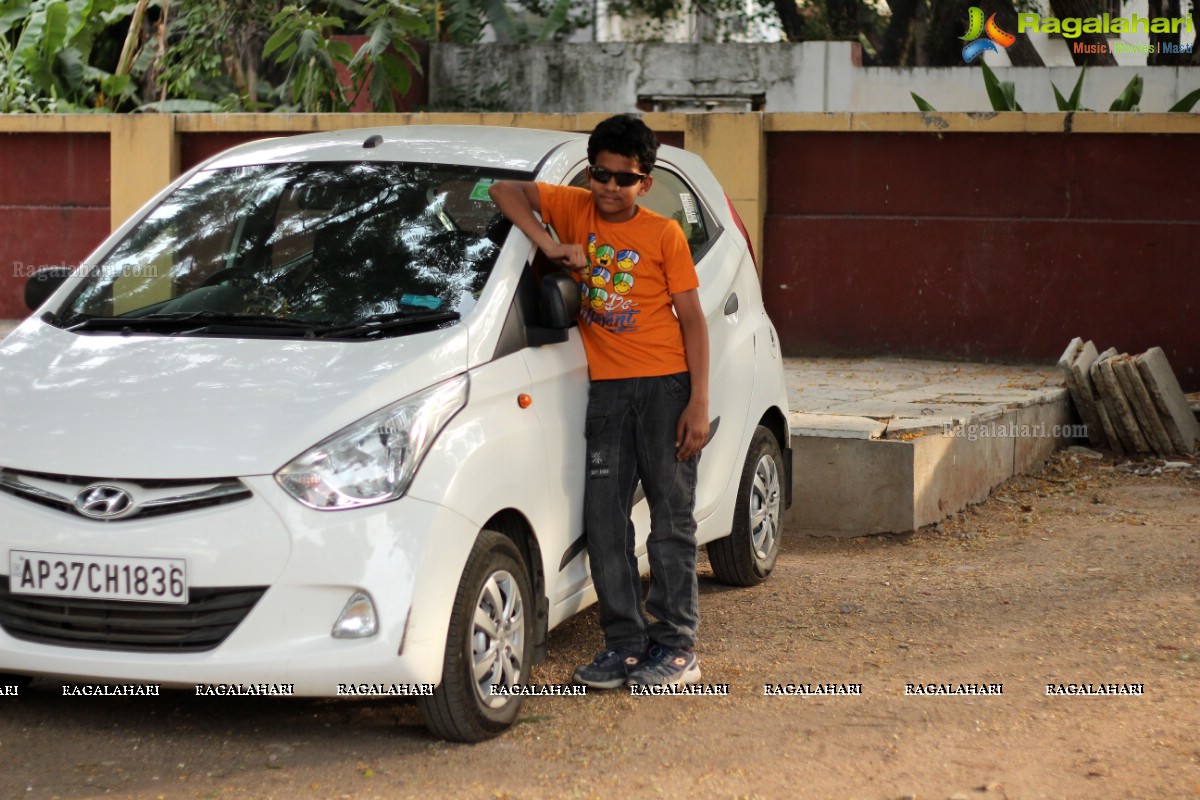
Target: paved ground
x=1084, y=573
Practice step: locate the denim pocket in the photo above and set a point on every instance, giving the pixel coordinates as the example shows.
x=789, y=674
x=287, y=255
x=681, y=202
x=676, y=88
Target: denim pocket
x=679, y=385
x=593, y=426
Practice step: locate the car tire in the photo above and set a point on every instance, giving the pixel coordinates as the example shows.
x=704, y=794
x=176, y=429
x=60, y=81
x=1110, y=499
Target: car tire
x=747, y=555
x=495, y=582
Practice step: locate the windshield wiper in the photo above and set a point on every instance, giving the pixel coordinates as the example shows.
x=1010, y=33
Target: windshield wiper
x=220, y=317
x=213, y=322
x=186, y=321
x=386, y=322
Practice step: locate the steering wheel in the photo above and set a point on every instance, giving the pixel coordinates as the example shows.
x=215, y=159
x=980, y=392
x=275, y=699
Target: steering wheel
x=265, y=299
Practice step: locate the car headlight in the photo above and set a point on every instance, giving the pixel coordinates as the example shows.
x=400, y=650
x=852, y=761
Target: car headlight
x=373, y=460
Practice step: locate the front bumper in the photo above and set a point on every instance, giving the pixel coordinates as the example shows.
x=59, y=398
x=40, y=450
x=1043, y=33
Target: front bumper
x=407, y=556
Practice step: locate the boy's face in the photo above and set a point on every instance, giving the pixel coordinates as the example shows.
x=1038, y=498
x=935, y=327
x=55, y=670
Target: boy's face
x=617, y=203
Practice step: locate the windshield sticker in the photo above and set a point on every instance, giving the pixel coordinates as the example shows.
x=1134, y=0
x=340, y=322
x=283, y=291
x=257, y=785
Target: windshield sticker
x=480, y=192
x=421, y=300
x=689, y=208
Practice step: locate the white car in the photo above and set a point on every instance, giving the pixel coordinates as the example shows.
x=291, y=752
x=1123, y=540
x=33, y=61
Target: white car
x=311, y=419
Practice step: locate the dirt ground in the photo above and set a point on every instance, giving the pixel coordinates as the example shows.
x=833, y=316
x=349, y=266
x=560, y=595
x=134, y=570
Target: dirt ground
x=1084, y=573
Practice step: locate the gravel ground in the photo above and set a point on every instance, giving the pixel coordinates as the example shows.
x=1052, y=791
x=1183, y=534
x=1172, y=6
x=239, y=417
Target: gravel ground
x=1083, y=573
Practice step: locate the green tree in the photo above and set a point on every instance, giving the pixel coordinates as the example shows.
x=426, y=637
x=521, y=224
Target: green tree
x=303, y=40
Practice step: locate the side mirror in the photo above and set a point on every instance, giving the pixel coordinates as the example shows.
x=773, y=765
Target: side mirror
x=44, y=283
x=559, y=301
x=558, y=310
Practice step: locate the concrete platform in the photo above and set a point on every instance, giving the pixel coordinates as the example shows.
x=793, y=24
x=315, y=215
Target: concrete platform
x=891, y=445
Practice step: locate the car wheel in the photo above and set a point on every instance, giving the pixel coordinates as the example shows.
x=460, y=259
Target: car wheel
x=747, y=555
x=490, y=644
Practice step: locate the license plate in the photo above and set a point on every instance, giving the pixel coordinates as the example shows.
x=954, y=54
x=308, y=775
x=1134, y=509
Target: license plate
x=148, y=580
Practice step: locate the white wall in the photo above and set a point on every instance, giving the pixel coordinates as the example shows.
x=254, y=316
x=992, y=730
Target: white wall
x=812, y=76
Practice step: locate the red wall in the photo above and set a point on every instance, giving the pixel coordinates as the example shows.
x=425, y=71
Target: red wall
x=53, y=206
x=984, y=246
x=196, y=147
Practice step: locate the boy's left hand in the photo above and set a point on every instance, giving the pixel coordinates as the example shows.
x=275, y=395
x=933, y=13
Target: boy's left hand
x=691, y=432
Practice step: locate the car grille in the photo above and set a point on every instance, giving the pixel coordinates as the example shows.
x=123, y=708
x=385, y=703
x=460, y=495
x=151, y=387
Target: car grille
x=200, y=624
x=149, y=497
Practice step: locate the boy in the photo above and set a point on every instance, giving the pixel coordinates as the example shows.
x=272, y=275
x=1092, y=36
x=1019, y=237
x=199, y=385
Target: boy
x=647, y=418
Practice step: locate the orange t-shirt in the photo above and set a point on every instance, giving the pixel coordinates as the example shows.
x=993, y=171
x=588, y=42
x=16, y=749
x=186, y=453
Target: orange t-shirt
x=627, y=320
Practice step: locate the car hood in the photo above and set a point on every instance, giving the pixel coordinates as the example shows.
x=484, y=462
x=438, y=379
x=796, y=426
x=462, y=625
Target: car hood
x=111, y=406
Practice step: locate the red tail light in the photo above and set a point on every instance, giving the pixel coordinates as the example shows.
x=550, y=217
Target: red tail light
x=737, y=220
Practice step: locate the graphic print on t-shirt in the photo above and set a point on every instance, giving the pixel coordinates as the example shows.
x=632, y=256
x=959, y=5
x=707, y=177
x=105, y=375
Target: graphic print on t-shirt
x=608, y=281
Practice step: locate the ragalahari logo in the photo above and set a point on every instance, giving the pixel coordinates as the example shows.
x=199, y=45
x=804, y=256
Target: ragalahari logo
x=976, y=46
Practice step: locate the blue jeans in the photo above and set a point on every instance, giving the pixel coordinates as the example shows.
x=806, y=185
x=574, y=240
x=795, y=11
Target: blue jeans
x=631, y=436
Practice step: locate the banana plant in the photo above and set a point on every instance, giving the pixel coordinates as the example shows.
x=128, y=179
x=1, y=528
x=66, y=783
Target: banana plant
x=1002, y=94
x=53, y=50
x=1074, y=103
x=1187, y=102
x=1129, y=97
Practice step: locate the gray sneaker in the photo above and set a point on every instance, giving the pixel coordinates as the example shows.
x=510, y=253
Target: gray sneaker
x=609, y=670
x=666, y=666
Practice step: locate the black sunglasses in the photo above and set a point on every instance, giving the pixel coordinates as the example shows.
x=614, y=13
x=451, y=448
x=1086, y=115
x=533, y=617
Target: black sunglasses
x=624, y=179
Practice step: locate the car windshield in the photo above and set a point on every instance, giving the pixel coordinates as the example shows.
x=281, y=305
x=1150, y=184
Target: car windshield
x=320, y=245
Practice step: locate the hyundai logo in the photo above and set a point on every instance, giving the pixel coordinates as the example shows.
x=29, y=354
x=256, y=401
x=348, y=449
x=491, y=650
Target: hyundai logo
x=103, y=502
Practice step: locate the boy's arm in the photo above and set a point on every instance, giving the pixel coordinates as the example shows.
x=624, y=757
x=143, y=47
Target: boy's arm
x=691, y=432
x=517, y=200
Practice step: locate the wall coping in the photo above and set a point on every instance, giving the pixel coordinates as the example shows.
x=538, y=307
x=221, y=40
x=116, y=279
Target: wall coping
x=772, y=122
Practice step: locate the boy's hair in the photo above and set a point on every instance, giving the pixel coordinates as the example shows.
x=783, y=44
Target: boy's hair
x=626, y=136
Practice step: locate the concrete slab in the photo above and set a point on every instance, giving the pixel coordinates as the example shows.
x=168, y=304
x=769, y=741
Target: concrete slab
x=952, y=472
x=1113, y=429
x=1115, y=398
x=1163, y=386
x=1094, y=415
x=1083, y=405
x=1139, y=399
x=950, y=432
x=848, y=487
x=835, y=426
x=1050, y=425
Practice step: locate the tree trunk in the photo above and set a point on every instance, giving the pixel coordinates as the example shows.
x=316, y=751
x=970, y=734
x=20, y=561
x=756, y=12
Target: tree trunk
x=794, y=28
x=947, y=22
x=897, y=40
x=1021, y=53
x=1158, y=41
x=1087, y=41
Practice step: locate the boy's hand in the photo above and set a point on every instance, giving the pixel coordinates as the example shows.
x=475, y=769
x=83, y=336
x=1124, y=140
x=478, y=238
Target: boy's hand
x=570, y=256
x=691, y=432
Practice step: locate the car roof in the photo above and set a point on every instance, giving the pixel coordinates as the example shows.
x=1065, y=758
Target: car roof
x=518, y=149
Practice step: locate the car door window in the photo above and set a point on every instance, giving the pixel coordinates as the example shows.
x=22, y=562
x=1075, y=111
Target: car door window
x=670, y=196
